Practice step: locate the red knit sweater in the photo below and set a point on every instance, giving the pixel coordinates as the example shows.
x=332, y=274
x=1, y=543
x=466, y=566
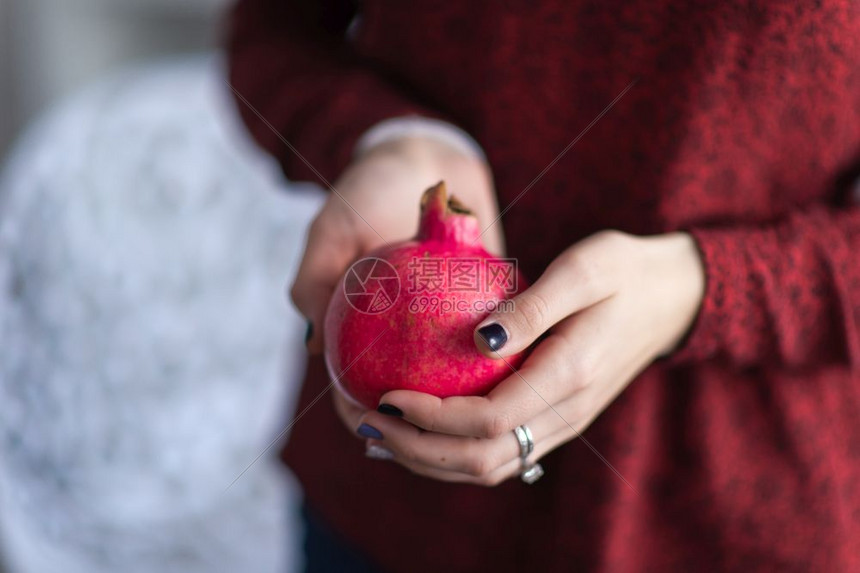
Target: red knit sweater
x=744, y=129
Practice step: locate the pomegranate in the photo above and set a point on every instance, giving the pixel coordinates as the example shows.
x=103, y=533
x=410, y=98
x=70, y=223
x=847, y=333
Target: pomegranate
x=403, y=317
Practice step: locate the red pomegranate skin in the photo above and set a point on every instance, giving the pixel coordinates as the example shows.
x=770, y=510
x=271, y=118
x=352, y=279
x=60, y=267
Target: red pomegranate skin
x=422, y=348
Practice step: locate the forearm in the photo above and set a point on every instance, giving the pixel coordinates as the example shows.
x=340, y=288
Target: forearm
x=291, y=62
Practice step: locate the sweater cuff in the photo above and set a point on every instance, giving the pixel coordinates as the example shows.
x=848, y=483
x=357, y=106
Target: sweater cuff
x=418, y=126
x=730, y=317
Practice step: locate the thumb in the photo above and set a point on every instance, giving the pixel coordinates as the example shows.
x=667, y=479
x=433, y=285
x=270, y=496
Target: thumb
x=328, y=253
x=558, y=293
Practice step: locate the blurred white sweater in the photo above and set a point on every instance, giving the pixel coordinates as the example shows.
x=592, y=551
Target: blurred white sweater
x=147, y=354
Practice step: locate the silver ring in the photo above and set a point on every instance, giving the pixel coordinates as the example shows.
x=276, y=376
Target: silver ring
x=530, y=472
x=526, y=440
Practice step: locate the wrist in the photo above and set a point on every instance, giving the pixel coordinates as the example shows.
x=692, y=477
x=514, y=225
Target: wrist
x=432, y=161
x=685, y=285
x=424, y=160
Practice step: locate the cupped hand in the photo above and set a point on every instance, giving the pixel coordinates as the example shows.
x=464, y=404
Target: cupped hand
x=610, y=305
x=376, y=201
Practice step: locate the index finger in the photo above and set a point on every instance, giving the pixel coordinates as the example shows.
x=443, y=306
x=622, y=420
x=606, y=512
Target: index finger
x=546, y=377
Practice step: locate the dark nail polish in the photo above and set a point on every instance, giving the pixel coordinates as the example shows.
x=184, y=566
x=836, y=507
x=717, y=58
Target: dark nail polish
x=390, y=410
x=493, y=335
x=309, y=332
x=368, y=431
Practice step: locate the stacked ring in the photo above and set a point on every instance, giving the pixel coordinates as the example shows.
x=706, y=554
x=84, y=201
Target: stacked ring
x=530, y=472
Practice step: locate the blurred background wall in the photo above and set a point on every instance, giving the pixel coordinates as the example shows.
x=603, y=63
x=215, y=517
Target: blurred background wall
x=50, y=47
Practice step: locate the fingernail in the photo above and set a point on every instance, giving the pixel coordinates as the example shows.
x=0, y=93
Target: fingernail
x=309, y=332
x=368, y=431
x=375, y=452
x=390, y=410
x=493, y=335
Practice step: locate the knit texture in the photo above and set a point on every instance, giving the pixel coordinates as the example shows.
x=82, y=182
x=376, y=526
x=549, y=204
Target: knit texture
x=744, y=129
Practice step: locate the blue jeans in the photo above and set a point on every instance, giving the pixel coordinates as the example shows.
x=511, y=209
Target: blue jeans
x=327, y=552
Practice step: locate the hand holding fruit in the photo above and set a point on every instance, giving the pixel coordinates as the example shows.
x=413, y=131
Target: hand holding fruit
x=612, y=303
x=376, y=203
x=403, y=317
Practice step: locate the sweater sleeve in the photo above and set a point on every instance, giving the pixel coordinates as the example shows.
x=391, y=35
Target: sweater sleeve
x=292, y=62
x=785, y=294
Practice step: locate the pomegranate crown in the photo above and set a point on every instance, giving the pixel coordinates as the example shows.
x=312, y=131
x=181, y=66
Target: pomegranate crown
x=444, y=218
